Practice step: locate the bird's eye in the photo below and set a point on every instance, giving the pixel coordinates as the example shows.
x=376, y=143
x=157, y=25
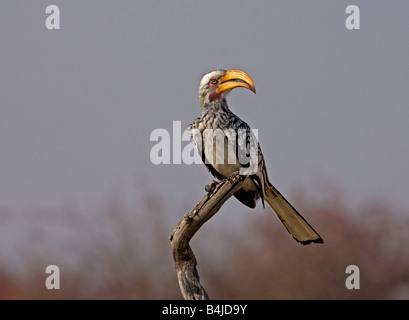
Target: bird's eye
x=213, y=81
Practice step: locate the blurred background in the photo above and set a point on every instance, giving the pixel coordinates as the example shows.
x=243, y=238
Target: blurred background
x=78, y=188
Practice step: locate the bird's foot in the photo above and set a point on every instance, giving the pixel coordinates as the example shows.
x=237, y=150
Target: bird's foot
x=211, y=186
x=236, y=175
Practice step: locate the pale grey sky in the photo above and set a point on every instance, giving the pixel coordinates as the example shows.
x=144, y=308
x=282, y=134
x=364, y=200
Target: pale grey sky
x=77, y=105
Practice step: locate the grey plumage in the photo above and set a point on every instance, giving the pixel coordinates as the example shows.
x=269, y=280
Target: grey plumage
x=238, y=139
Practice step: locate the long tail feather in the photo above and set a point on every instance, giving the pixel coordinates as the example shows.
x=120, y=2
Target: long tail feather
x=296, y=225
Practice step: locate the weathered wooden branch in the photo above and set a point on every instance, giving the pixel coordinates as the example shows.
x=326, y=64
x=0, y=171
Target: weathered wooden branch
x=185, y=260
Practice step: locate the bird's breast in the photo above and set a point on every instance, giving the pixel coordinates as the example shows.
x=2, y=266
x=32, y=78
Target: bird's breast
x=220, y=151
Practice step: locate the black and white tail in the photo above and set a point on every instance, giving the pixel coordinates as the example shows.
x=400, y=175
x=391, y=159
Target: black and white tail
x=296, y=225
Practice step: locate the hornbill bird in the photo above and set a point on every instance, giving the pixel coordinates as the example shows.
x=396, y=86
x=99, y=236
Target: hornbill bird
x=239, y=140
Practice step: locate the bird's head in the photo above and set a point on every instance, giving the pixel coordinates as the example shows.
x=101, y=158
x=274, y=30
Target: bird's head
x=216, y=84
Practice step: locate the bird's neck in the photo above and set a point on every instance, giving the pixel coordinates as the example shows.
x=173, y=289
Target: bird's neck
x=216, y=114
x=215, y=107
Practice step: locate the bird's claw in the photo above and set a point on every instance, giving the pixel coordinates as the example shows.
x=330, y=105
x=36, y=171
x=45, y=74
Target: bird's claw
x=211, y=186
x=234, y=176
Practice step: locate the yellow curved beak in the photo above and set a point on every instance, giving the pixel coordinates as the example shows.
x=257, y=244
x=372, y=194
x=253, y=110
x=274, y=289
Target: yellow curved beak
x=235, y=78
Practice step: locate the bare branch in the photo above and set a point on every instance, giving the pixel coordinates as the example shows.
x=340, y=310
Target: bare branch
x=185, y=260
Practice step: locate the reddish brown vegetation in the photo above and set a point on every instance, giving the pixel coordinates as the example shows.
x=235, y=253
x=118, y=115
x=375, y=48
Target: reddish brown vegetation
x=117, y=254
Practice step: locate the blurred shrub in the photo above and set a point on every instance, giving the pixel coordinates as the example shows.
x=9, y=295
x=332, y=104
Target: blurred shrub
x=117, y=253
